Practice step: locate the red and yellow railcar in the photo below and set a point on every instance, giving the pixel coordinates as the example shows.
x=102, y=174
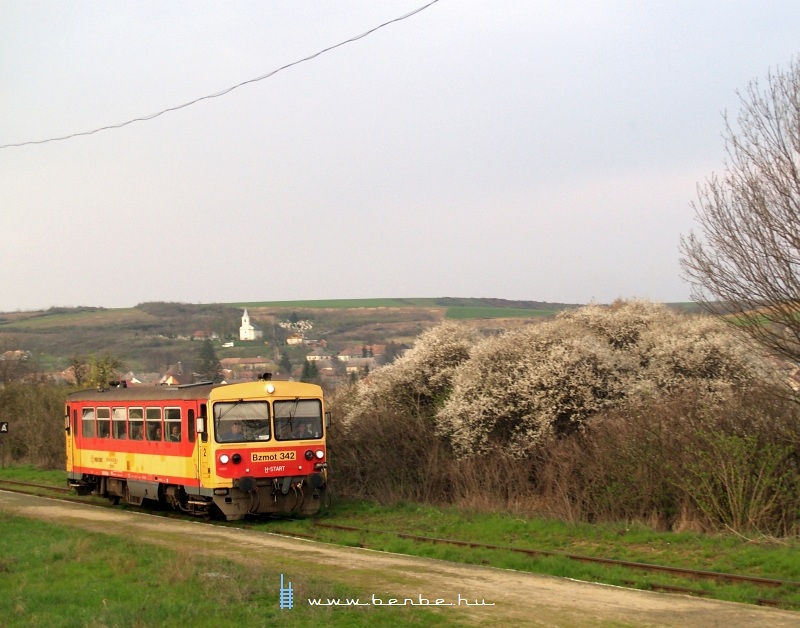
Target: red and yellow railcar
x=236, y=449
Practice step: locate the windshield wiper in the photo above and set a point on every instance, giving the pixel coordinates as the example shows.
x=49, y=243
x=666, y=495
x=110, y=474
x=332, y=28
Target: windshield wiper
x=293, y=412
x=233, y=405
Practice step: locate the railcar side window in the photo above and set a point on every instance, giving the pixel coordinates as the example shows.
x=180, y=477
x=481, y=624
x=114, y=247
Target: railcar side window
x=191, y=425
x=136, y=423
x=119, y=427
x=172, y=421
x=155, y=430
x=241, y=421
x=103, y=422
x=88, y=423
x=300, y=419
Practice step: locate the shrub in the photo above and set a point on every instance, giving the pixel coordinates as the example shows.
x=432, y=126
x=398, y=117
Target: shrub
x=531, y=384
x=36, y=425
x=415, y=383
x=528, y=385
x=678, y=460
x=388, y=457
x=631, y=412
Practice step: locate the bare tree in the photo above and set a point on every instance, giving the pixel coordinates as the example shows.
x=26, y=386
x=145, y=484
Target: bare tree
x=80, y=368
x=746, y=259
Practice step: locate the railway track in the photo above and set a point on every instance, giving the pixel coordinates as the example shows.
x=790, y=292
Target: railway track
x=697, y=574
x=684, y=572
x=16, y=486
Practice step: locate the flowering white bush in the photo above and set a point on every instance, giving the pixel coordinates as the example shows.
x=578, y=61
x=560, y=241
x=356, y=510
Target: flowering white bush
x=701, y=352
x=529, y=384
x=417, y=380
x=533, y=383
x=622, y=322
x=513, y=391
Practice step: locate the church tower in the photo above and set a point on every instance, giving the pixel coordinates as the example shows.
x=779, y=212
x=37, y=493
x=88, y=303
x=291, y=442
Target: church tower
x=246, y=331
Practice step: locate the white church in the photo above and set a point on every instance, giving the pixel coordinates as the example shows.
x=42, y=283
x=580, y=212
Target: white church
x=247, y=331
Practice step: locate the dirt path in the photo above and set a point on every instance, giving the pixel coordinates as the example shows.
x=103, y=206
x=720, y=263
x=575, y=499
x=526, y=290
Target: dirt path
x=511, y=598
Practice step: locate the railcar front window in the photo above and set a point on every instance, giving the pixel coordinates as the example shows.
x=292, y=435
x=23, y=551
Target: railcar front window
x=300, y=419
x=241, y=421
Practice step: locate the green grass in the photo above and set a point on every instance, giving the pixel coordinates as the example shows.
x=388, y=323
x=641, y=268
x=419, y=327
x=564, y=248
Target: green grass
x=464, y=313
x=458, y=308
x=26, y=473
x=52, y=575
x=335, y=303
x=762, y=557
x=72, y=319
x=768, y=558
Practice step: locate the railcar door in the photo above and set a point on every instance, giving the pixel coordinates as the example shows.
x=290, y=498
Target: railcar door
x=203, y=454
x=70, y=424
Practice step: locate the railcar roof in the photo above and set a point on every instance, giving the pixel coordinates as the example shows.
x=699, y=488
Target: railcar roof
x=195, y=391
x=149, y=393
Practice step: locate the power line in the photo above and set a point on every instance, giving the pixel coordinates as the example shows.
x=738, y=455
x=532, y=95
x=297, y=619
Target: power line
x=224, y=91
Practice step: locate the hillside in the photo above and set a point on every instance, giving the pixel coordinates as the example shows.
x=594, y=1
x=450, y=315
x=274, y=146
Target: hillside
x=153, y=335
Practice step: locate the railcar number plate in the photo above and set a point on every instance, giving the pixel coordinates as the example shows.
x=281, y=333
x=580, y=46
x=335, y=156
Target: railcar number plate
x=272, y=456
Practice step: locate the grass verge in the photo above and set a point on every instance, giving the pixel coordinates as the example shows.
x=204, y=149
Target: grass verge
x=58, y=576
x=762, y=557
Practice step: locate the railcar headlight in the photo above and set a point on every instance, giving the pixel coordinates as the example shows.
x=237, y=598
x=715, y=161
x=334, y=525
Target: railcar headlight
x=236, y=458
x=309, y=455
x=224, y=458
x=320, y=454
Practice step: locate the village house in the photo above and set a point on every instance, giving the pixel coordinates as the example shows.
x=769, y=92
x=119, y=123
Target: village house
x=318, y=354
x=360, y=365
x=361, y=351
x=246, y=364
x=150, y=379
x=294, y=339
x=325, y=366
x=205, y=335
x=176, y=375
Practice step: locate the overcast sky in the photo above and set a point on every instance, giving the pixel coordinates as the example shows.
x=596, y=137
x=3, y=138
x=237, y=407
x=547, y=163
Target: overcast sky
x=514, y=149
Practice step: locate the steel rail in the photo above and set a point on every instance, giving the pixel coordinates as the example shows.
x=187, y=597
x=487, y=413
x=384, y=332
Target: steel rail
x=57, y=489
x=682, y=571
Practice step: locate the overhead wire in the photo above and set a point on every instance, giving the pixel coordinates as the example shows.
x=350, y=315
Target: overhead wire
x=227, y=90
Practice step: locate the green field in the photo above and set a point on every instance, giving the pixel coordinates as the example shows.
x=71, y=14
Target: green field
x=444, y=302
x=45, y=320
x=467, y=313
x=337, y=303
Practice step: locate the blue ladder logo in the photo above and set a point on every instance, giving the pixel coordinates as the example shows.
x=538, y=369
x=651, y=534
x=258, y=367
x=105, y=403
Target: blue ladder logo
x=287, y=597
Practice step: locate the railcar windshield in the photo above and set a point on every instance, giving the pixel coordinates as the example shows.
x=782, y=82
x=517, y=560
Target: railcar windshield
x=300, y=419
x=241, y=421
